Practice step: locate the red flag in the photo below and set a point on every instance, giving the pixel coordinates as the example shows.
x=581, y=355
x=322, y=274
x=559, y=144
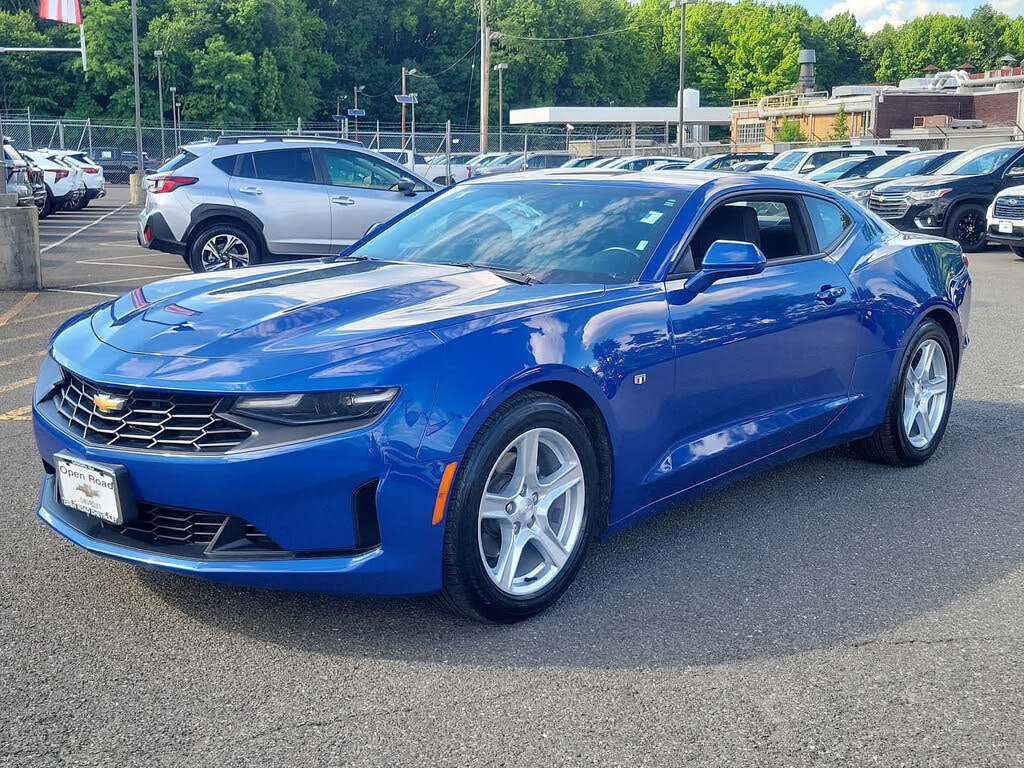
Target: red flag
x=67, y=11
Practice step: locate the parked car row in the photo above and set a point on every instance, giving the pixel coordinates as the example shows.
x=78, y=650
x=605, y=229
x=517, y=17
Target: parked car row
x=52, y=179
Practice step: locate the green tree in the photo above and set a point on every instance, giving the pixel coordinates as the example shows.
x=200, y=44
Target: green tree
x=789, y=130
x=840, y=126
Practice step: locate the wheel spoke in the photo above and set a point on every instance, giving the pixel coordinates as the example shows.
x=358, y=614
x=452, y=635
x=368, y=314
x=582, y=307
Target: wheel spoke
x=924, y=366
x=548, y=544
x=527, y=450
x=232, y=241
x=493, y=506
x=924, y=424
x=910, y=413
x=508, y=562
x=557, y=484
x=935, y=388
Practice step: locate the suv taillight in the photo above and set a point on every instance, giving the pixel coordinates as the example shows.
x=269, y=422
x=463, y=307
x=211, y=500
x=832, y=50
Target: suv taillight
x=61, y=174
x=89, y=169
x=170, y=183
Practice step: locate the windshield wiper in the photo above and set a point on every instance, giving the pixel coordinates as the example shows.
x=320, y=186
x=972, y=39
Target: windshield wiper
x=512, y=275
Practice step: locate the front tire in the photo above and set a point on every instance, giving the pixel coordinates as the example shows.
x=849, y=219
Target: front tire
x=967, y=226
x=1019, y=250
x=522, y=511
x=919, y=403
x=223, y=246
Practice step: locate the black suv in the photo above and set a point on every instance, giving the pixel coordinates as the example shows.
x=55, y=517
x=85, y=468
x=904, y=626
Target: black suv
x=953, y=201
x=119, y=164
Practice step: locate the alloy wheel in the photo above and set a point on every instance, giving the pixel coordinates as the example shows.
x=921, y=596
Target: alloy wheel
x=970, y=230
x=224, y=252
x=532, y=512
x=925, y=393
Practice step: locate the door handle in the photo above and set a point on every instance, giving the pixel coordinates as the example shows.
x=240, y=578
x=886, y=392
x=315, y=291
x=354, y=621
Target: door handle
x=343, y=200
x=830, y=293
x=250, y=190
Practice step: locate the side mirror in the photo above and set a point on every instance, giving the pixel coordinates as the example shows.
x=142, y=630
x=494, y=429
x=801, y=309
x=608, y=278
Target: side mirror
x=726, y=258
x=1016, y=171
x=407, y=187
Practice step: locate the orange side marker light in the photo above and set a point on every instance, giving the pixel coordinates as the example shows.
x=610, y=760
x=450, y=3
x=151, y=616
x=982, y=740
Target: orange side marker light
x=442, y=492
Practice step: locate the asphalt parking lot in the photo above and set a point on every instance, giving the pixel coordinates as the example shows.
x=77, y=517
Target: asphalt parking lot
x=829, y=612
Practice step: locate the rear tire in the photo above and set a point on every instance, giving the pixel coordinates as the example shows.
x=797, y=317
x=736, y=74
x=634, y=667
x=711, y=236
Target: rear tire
x=223, y=246
x=967, y=226
x=917, y=412
x=1019, y=250
x=511, y=554
x=48, y=206
x=83, y=201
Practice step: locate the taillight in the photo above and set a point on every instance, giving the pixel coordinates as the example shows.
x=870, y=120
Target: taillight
x=967, y=262
x=469, y=171
x=169, y=183
x=87, y=169
x=61, y=174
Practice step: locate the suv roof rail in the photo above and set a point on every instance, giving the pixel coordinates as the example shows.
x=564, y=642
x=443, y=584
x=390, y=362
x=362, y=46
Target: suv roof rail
x=222, y=140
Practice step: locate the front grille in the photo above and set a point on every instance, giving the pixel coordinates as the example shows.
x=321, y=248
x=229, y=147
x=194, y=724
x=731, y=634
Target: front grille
x=1009, y=208
x=157, y=523
x=146, y=419
x=888, y=207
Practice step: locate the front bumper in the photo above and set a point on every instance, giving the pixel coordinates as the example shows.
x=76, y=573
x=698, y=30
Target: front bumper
x=928, y=218
x=301, y=495
x=1015, y=237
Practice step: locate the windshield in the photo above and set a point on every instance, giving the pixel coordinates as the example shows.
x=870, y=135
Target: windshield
x=509, y=159
x=787, y=161
x=905, y=165
x=835, y=169
x=555, y=232
x=491, y=160
x=981, y=160
x=706, y=162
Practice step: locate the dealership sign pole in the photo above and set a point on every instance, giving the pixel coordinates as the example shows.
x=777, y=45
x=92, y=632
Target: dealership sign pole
x=66, y=11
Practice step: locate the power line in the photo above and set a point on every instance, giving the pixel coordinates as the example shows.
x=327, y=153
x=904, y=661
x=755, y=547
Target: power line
x=631, y=28
x=457, y=61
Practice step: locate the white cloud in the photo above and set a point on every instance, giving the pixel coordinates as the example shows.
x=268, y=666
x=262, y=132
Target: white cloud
x=1006, y=6
x=875, y=14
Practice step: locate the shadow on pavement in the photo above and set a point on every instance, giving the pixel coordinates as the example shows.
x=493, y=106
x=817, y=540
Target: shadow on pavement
x=823, y=551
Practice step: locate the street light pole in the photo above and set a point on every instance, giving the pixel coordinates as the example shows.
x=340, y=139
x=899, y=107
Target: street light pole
x=138, y=100
x=501, y=106
x=160, y=100
x=174, y=114
x=485, y=79
x=356, y=89
x=681, y=5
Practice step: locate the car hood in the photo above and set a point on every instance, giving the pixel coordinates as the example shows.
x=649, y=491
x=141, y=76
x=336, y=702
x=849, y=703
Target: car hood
x=852, y=185
x=900, y=186
x=311, y=306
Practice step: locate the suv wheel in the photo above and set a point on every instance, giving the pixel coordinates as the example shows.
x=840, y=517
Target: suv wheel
x=967, y=226
x=1019, y=250
x=223, y=246
x=47, y=208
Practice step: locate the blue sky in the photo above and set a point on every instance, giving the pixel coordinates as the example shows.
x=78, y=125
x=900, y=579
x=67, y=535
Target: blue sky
x=873, y=14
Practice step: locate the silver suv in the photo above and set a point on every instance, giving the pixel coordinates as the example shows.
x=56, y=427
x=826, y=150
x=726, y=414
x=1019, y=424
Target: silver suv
x=244, y=200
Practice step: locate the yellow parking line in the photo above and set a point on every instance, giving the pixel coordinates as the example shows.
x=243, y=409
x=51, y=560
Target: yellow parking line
x=68, y=312
x=25, y=336
x=23, y=302
x=17, y=414
x=21, y=358
x=16, y=385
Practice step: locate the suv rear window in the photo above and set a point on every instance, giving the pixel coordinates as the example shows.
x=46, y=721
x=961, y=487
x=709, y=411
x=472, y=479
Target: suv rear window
x=176, y=162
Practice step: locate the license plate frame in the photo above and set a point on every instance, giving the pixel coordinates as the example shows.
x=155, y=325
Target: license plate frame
x=99, y=490
x=1006, y=227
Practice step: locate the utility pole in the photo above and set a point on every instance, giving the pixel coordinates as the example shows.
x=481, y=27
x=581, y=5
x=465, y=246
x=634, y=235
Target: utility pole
x=485, y=74
x=404, y=73
x=500, y=68
x=138, y=100
x=160, y=100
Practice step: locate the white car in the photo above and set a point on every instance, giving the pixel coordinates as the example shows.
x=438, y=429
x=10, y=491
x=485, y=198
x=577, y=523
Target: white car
x=443, y=173
x=797, y=162
x=65, y=186
x=1006, y=219
x=415, y=162
x=637, y=162
x=95, y=183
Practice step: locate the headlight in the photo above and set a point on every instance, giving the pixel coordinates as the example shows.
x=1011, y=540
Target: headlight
x=859, y=194
x=921, y=195
x=50, y=376
x=356, y=407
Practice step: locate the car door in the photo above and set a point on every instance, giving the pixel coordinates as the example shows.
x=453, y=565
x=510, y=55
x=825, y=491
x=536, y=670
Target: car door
x=1013, y=175
x=280, y=187
x=363, y=191
x=766, y=360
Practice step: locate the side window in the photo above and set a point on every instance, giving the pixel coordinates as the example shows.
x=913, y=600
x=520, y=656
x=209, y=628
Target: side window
x=227, y=164
x=830, y=221
x=536, y=161
x=106, y=154
x=355, y=169
x=246, y=169
x=1016, y=168
x=285, y=165
x=819, y=159
x=769, y=223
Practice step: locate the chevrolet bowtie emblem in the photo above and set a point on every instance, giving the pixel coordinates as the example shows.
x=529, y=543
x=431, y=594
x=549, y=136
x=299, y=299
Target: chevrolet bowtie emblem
x=107, y=403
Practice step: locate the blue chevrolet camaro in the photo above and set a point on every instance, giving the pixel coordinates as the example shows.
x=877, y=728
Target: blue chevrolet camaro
x=462, y=400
